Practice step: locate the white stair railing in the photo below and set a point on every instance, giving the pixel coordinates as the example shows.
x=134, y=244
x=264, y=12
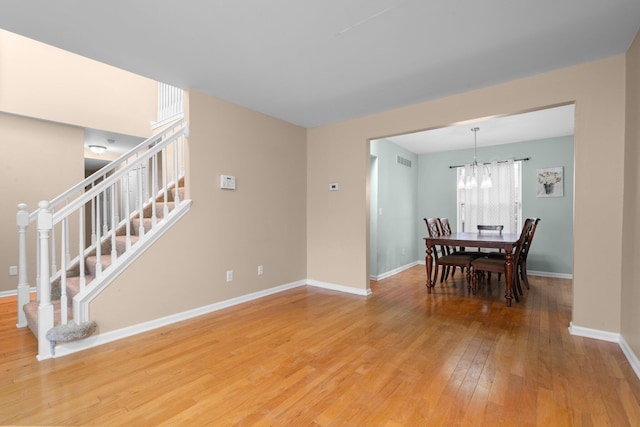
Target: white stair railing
x=89, y=218
x=170, y=104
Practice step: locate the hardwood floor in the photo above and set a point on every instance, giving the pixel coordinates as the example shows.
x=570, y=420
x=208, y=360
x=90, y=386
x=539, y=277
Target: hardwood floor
x=310, y=356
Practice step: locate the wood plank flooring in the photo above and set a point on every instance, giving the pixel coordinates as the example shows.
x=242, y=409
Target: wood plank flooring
x=313, y=357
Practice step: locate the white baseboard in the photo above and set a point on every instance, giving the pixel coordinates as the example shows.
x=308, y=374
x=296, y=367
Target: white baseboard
x=395, y=271
x=96, y=340
x=593, y=333
x=530, y=272
x=548, y=274
x=14, y=292
x=631, y=356
x=107, y=337
x=611, y=337
x=339, y=288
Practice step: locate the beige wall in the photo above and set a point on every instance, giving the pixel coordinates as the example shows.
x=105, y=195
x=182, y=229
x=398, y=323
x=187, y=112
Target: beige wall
x=337, y=222
x=32, y=149
x=41, y=81
x=631, y=248
x=262, y=222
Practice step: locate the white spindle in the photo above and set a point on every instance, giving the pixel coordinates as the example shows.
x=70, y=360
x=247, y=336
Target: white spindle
x=140, y=204
x=63, y=275
x=105, y=213
x=45, y=308
x=22, y=220
x=54, y=250
x=127, y=212
x=114, y=251
x=175, y=173
x=93, y=220
x=164, y=181
x=98, y=240
x=81, y=246
x=154, y=181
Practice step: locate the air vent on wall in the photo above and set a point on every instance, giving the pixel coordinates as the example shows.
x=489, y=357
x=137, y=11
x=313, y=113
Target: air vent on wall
x=402, y=161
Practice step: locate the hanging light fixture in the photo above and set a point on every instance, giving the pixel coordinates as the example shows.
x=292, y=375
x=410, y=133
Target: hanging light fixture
x=469, y=176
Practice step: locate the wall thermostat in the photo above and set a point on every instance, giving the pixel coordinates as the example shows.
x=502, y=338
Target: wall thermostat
x=227, y=182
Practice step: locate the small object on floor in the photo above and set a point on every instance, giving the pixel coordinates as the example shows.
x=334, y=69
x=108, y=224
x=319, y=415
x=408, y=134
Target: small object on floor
x=69, y=332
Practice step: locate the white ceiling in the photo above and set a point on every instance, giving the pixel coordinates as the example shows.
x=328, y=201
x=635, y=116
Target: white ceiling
x=317, y=62
x=535, y=125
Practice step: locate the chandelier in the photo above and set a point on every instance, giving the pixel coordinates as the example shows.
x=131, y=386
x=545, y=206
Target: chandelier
x=470, y=176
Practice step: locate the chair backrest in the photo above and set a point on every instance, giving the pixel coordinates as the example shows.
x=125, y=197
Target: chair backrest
x=527, y=243
x=492, y=228
x=432, y=227
x=526, y=230
x=445, y=226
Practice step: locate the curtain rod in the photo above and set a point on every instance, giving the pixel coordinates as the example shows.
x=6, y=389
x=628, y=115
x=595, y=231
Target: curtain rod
x=524, y=159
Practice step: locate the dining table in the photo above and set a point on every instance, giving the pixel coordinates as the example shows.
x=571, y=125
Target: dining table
x=505, y=241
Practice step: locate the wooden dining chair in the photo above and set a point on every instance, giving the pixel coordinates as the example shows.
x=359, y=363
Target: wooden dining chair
x=522, y=263
x=444, y=259
x=496, y=264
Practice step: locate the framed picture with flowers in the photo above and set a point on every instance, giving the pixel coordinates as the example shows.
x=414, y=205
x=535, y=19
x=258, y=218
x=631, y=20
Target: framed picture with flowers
x=551, y=182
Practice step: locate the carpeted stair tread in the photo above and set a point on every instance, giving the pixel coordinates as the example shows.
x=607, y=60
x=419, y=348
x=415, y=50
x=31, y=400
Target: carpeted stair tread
x=31, y=313
x=159, y=209
x=92, y=261
x=135, y=225
x=180, y=193
x=121, y=243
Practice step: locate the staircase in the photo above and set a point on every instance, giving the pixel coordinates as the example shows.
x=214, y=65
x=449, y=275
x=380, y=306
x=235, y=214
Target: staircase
x=105, y=244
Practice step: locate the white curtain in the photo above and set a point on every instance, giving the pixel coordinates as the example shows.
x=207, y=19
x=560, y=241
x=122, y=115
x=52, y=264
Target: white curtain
x=496, y=205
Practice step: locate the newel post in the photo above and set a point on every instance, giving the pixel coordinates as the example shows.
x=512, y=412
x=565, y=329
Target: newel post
x=45, y=309
x=22, y=220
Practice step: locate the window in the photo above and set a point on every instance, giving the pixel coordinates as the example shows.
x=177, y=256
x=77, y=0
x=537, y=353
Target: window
x=500, y=204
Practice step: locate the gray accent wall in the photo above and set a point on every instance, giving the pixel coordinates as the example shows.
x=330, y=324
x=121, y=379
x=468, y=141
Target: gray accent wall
x=397, y=207
x=552, y=250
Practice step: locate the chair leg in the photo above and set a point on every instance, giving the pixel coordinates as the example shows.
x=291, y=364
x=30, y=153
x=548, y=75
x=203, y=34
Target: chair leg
x=444, y=274
x=523, y=273
x=474, y=276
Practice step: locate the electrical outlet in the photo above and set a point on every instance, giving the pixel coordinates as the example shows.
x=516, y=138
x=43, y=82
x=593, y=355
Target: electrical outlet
x=13, y=270
x=230, y=276
x=260, y=270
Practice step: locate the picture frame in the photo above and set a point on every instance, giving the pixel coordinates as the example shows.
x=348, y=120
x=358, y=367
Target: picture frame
x=551, y=182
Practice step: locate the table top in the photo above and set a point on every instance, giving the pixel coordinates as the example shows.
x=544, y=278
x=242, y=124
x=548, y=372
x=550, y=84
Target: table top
x=476, y=240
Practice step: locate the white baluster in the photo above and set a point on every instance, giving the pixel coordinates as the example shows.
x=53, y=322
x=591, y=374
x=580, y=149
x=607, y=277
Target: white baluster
x=45, y=309
x=63, y=274
x=54, y=250
x=81, y=248
x=164, y=181
x=140, y=204
x=154, y=180
x=127, y=212
x=22, y=219
x=175, y=173
x=114, y=251
x=98, y=242
x=93, y=220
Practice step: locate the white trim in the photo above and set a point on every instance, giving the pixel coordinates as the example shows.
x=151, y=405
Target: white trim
x=611, y=337
x=548, y=274
x=339, y=288
x=631, y=357
x=107, y=337
x=395, y=271
x=14, y=292
x=593, y=333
